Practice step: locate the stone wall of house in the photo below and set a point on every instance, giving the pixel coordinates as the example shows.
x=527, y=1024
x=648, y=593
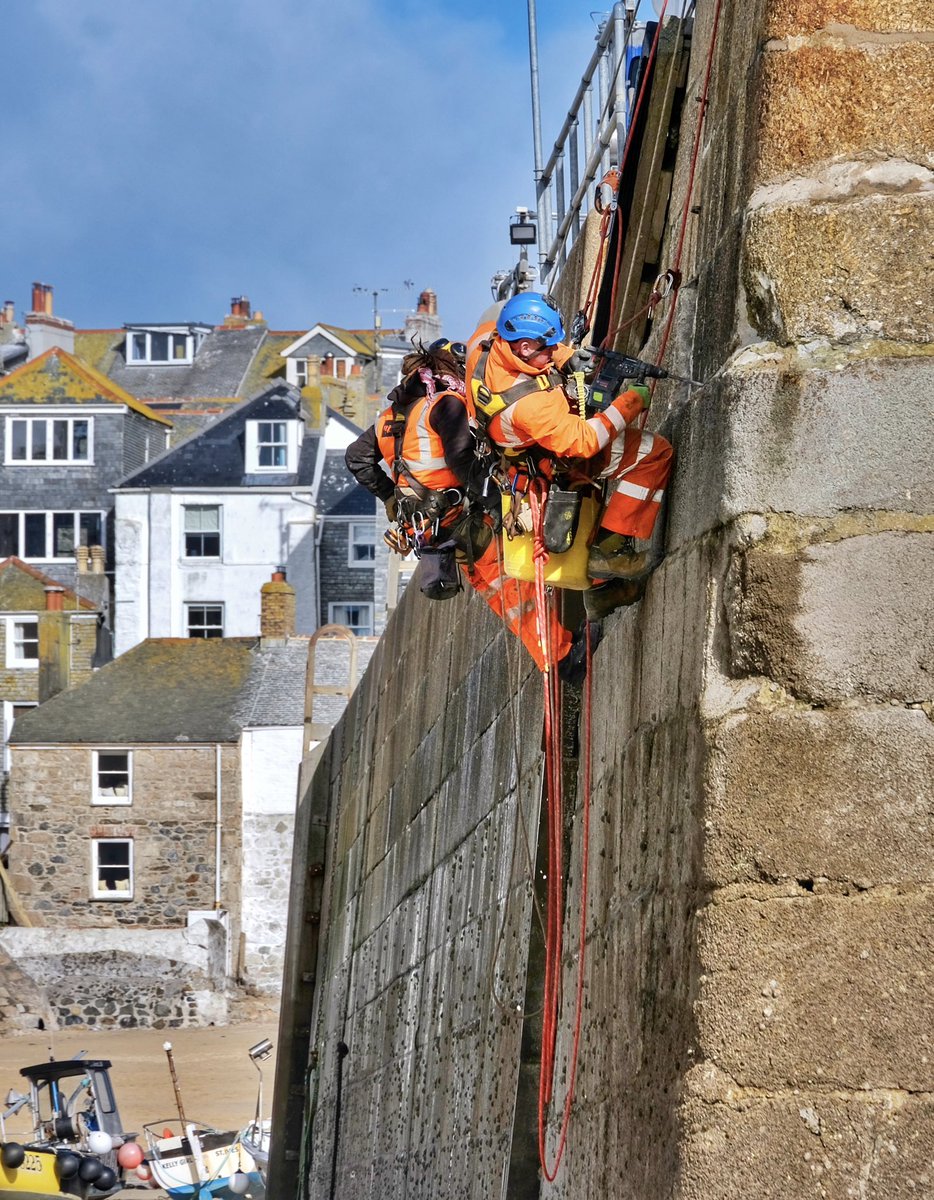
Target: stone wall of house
x=22, y=685
x=116, y=978
x=758, y=999
x=24, y=1005
x=171, y=821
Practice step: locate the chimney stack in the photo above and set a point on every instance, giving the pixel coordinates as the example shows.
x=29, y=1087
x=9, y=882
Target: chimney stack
x=277, y=608
x=54, y=646
x=47, y=331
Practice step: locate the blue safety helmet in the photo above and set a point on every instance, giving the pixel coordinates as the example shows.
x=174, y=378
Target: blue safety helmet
x=530, y=315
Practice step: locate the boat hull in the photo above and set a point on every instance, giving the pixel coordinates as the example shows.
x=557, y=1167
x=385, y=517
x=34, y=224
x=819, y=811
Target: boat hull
x=35, y=1179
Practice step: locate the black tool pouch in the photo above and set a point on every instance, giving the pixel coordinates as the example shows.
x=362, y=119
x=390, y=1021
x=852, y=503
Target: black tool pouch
x=440, y=578
x=561, y=515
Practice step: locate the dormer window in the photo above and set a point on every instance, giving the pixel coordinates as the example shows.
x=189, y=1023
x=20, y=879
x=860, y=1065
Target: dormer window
x=273, y=446
x=171, y=346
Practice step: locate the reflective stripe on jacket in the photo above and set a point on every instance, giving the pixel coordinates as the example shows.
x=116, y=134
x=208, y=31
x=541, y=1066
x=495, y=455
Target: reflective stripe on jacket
x=423, y=452
x=541, y=415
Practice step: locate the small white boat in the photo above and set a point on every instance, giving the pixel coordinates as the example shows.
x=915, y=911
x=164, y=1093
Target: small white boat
x=193, y=1161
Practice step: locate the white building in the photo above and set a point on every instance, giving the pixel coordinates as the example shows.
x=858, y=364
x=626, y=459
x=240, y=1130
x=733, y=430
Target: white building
x=199, y=529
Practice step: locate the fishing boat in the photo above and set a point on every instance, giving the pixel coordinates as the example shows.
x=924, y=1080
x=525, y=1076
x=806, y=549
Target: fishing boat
x=257, y=1134
x=77, y=1146
x=194, y=1161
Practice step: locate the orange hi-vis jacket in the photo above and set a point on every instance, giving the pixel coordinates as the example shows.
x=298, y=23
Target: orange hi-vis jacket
x=543, y=416
x=423, y=457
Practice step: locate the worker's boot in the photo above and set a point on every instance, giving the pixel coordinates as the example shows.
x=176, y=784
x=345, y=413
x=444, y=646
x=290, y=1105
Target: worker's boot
x=614, y=556
x=605, y=598
x=572, y=669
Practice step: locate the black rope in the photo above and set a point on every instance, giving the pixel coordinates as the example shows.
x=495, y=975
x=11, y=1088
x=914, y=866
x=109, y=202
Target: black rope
x=342, y=1051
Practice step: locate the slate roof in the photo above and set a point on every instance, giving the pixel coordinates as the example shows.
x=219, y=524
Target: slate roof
x=220, y=367
x=275, y=690
x=22, y=589
x=57, y=377
x=163, y=690
x=216, y=456
x=339, y=494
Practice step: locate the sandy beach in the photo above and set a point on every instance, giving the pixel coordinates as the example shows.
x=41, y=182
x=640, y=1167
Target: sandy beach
x=217, y=1080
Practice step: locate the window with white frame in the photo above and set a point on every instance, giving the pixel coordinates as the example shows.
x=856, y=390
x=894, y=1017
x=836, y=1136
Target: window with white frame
x=300, y=366
x=111, y=868
x=272, y=446
x=41, y=440
x=11, y=710
x=41, y=536
x=112, y=777
x=204, y=620
x=22, y=642
x=356, y=616
x=202, y=524
x=361, y=543
x=163, y=346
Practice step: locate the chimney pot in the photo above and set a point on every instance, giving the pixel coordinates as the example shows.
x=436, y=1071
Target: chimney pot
x=97, y=560
x=47, y=298
x=82, y=556
x=54, y=599
x=38, y=298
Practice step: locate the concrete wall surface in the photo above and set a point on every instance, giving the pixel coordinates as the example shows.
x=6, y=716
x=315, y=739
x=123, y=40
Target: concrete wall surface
x=758, y=999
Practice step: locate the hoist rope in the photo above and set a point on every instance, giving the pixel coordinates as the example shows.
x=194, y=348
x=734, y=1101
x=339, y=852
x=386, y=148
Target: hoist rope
x=703, y=101
x=514, y=674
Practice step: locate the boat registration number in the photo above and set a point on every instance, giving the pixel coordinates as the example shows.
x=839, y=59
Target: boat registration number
x=32, y=1162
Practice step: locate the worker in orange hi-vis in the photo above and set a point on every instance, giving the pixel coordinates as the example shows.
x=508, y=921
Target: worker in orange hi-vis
x=416, y=459
x=516, y=373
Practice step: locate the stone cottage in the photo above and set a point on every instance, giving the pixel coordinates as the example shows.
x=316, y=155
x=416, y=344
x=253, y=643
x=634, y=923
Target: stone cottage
x=152, y=811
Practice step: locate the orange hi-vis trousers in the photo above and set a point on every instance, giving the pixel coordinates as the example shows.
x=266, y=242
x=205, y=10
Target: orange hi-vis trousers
x=636, y=465
x=514, y=600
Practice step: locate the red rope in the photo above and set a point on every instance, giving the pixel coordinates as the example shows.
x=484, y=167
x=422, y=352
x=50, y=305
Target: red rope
x=698, y=133
x=629, y=137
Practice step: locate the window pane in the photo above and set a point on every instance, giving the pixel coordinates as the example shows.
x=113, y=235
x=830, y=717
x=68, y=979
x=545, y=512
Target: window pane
x=202, y=531
x=159, y=347
x=79, y=440
x=113, y=774
x=9, y=534
x=39, y=447
x=63, y=535
x=179, y=346
x=18, y=441
x=35, y=535
x=362, y=542
x=138, y=347
x=25, y=640
x=205, y=620
x=202, y=518
x=113, y=866
x=59, y=440
x=90, y=525
x=272, y=456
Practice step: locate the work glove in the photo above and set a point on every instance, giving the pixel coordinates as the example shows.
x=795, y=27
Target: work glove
x=392, y=509
x=644, y=391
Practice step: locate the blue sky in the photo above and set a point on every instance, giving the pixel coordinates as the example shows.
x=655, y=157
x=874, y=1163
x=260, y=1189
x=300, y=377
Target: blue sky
x=161, y=156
